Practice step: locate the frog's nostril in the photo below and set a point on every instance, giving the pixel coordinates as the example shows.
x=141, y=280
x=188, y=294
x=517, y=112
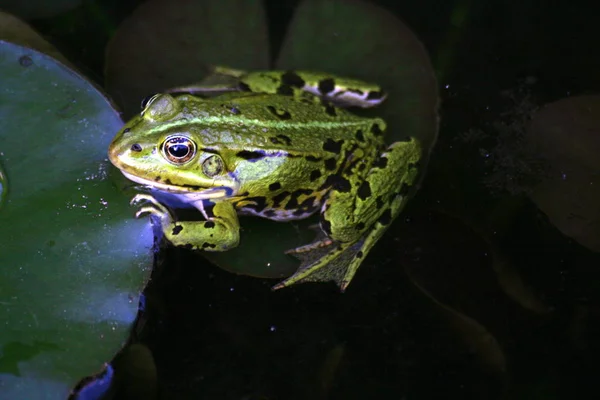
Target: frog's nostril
x=136, y=147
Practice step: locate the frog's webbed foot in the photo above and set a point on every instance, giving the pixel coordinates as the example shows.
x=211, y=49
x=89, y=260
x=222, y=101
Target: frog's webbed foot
x=219, y=233
x=325, y=260
x=152, y=207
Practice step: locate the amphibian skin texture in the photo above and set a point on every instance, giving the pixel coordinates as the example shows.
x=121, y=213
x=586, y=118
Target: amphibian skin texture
x=279, y=145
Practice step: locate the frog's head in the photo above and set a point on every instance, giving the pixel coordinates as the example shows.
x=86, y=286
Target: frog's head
x=158, y=149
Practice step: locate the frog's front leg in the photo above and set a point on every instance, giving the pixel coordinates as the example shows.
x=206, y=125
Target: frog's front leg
x=357, y=218
x=219, y=233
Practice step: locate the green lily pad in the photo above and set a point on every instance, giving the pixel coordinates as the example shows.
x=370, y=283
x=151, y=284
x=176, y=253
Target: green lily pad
x=165, y=44
x=71, y=265
x=348, y=32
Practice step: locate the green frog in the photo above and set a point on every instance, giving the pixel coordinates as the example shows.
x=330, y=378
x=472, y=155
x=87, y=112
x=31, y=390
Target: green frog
x=274, y=144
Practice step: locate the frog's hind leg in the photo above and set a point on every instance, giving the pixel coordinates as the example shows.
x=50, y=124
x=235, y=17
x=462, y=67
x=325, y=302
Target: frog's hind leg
x=341, y=91
x=356, y=219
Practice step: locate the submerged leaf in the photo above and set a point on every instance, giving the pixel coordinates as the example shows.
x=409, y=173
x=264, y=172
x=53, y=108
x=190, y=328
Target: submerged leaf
x=567, y=134
x=16, y=31
x=478, y=339
x=165, y=44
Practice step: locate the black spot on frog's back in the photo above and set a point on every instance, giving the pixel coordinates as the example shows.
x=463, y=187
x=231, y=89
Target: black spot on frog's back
x=330, y=164
x=326, y=86
x=283, y=115
x=333, y=146
x=285, y=90
x=281, y=140
x=360, y=135
x=381, y=162
x=314, y=175
x=313, y=159
x=364, y=190
x=329, y=109
x=386, y=217
x=376, y=129
x=292, y=79
x=337, y=182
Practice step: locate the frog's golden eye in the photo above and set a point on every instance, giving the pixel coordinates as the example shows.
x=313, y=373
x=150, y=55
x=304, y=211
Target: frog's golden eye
x=213, y=165
x=178, y=149
x=148, y=100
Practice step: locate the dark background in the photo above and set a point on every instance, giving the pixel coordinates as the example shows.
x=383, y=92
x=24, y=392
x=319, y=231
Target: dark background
x=215, y=335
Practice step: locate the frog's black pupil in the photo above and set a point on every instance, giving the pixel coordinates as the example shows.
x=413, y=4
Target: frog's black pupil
x=179, y=150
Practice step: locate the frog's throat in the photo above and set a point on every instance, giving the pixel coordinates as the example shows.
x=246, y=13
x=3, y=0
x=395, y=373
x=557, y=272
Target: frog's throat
x=194, y=193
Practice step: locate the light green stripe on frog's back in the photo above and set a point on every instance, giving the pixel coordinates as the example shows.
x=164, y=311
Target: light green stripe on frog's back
x=214, y=123
x=292, y=137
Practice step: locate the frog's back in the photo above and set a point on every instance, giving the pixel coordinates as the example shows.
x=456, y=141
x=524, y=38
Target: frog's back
x=268, y=121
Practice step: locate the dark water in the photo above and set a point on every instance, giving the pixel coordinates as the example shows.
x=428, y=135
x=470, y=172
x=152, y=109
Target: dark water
x=472, y=293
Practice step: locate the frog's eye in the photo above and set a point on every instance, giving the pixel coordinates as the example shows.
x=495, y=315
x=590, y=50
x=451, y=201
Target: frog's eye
x=178, y=149
x=212, y=165
x=148, y=100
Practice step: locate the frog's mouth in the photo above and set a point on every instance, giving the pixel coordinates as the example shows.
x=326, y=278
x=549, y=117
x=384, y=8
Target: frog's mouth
x=193, y=193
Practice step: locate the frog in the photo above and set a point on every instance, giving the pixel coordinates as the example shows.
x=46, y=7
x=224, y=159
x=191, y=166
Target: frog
x=278, y=144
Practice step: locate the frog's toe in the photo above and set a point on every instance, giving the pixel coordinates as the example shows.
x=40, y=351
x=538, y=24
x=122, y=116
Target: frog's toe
x=142, y=198
x=311, y=246
x=314, y=227
x=149, y=210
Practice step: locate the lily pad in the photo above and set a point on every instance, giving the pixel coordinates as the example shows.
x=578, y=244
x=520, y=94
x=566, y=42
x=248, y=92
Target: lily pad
x=165, y=44
x=14, y=30
x=317, y=28
x=368, y=42
x=567, y=134
x=71, y=265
